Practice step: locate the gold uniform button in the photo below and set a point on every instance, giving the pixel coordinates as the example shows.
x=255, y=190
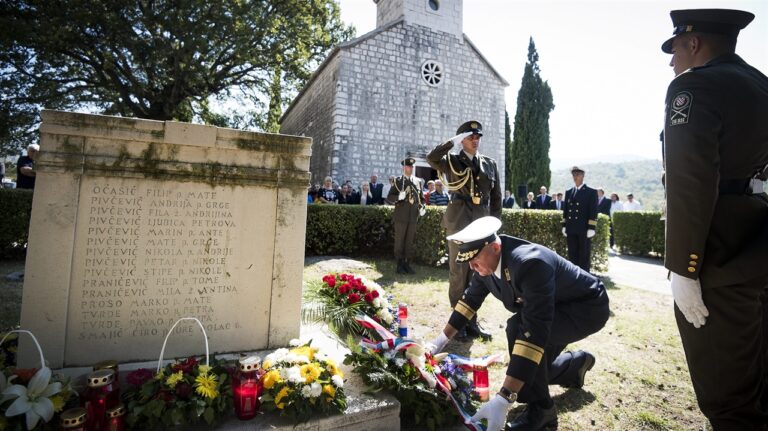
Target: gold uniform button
x=691, y=269
x=692, y=263
x=694, y=257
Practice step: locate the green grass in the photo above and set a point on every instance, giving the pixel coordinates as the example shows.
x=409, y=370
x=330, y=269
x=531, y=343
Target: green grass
x=640, y=380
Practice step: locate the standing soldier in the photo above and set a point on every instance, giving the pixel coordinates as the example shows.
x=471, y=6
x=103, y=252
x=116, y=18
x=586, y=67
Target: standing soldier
x=409, y=202
x=580, y=219
x=716, y=156
x=473, y=180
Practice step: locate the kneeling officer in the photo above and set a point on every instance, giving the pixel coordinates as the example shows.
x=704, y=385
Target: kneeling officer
x=554, y=303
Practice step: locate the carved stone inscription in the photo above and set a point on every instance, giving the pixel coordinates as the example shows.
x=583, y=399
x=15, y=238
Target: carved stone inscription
x=148, y=253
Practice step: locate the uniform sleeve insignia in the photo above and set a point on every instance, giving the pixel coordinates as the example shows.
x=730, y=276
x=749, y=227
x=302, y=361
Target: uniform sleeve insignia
x=680, y=108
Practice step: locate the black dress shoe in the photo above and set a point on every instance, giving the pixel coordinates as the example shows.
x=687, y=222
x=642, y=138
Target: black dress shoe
x=407, y=267
x=588, y=362
x=474, y=330
x=462, y=336
x=535, y=418
x=400, y=267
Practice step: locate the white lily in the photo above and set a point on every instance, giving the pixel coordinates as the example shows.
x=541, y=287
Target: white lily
x=33, y=400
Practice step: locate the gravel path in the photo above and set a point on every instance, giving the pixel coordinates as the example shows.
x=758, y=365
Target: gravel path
x=638, y=272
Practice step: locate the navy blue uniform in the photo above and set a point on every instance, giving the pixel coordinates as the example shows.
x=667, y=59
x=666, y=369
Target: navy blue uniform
x=580, y=215
x=556, y=303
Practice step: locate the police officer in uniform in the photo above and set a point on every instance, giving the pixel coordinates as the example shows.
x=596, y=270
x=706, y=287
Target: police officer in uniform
x=473, y=182
x=409, y=202
x=555, y=303
x=716, y=152
x=580, y=219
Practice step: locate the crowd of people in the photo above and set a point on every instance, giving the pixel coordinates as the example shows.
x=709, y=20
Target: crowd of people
x=371, y=192
x=554, y=201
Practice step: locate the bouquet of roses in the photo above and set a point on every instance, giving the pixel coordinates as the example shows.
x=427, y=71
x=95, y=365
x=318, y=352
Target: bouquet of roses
x=340, y=298
x=181, y=393
x=302, y=382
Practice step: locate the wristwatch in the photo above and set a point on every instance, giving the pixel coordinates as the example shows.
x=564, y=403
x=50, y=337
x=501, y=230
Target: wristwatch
x=508, y=395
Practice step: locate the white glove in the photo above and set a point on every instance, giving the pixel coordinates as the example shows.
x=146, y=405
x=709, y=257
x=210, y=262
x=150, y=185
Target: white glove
x=401, y=196
x=687, y=294
x=460, y=137
x=495, y=411
x=564, y=234
x=436, y=345
x=590, y=233
x=422, y=211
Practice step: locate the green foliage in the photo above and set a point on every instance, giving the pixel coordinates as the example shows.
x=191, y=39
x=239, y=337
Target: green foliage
x=367, y=231
x=161, y=403
x=640, y=177
x=154, y=59
x=639, y=232
x=508, y=184
x=529, y=159
x=15, y=211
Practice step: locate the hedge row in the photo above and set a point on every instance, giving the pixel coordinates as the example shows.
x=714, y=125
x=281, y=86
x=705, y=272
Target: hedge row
x=15, y=210
x=368, y=231
x=639, y=232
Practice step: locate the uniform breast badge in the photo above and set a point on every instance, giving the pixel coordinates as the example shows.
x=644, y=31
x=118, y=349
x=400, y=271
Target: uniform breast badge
x=476, y=200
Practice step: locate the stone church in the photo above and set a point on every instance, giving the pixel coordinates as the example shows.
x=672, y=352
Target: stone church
x=398, y=91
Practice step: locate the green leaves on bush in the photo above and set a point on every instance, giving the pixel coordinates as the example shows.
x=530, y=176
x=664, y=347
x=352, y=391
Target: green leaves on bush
x=639, y=232
x=15, y=210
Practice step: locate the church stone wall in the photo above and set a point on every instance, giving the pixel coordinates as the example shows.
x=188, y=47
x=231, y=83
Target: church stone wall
x=384, y=109
x=312, y=116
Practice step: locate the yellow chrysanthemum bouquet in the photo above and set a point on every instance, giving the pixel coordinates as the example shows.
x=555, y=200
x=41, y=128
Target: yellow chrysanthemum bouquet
x=301, y=382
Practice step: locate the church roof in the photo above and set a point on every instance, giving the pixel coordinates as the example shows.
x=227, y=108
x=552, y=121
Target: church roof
x=356, y=41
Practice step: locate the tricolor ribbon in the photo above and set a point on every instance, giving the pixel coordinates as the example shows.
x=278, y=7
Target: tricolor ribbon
x=392, y=342
x=468, y=363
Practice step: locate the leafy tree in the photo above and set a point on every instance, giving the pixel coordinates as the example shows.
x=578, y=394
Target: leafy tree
x=157, y=59
x=530, y=143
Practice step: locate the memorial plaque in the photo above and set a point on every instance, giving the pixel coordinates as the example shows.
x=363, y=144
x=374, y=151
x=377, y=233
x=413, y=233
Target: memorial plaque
x=167, y=220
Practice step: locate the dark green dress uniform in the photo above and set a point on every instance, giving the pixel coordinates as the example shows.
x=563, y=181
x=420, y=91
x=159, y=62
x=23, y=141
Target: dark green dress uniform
x=406, y=214
x=554, y=303
x=716, y=149
x=475, y=192
x=579, y=216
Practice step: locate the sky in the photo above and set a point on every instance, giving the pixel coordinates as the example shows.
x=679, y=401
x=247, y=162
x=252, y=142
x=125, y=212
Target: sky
x=603, y=60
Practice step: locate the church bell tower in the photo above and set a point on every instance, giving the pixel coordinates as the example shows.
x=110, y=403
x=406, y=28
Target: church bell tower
x=438, y=15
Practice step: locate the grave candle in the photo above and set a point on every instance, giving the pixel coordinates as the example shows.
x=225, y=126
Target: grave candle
x=109, y=365
x=116, y=418
x=480, y=379
x=73, y=420
x=246, y=388
x=402, y=315
x=100, y=396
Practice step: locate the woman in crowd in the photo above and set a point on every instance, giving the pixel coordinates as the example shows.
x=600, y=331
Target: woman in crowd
x=530, y=203
x=346, y=196
x=327, y=195
x=615, y=204
x=366, y=198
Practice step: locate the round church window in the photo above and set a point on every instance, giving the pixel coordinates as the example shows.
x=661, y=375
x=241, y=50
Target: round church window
x=432, y=73
x=434, y=4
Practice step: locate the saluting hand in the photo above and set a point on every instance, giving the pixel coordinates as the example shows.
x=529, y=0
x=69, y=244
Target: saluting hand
x=687, y=294
x=460, y=137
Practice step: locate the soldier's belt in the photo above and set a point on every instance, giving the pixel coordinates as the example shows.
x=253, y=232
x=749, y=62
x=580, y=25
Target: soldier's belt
x=470, y=199
x=749, y=186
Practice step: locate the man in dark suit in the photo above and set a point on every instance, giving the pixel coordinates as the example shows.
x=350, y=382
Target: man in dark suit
x=376, y=190
x=716, y=164
x=603, y=203
x=557, y=203
x=509, y=200
x=473, y=180
x=543, y=199
x=580, y=219
x=555, y=304
x=409, y=201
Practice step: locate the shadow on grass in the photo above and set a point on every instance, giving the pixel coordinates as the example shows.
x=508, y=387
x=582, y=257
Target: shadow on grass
x=573, y=400
x=389, y=275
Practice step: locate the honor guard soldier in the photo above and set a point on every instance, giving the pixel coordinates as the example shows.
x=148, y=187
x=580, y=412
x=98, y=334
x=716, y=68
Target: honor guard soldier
x=716, y=157
x=554, y=303
x=409, y=204
x=473, y=182
x=580, y=219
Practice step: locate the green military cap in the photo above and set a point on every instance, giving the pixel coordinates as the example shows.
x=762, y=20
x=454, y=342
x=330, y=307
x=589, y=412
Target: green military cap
x=471, y=126
x=408, y=161
x=727, y=22
x=474, y=237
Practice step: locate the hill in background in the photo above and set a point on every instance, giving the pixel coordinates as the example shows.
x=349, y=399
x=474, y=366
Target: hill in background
x=640, y=177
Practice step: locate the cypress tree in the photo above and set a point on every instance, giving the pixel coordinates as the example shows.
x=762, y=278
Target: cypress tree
x=507, y=154
x=529, y=162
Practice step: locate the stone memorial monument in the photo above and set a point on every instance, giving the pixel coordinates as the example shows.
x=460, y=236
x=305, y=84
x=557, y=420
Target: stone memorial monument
x=136, y=223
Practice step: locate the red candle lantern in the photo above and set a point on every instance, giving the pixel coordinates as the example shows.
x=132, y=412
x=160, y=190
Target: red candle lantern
x=246, y=387
x=116, y=418
x=480, y=379
x=73, y=420
x=109, y=365
x=101, y=396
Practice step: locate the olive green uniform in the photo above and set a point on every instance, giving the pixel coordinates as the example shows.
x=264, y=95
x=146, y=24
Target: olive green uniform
x=475, y=193
x=716, y=140
x=406, y=213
